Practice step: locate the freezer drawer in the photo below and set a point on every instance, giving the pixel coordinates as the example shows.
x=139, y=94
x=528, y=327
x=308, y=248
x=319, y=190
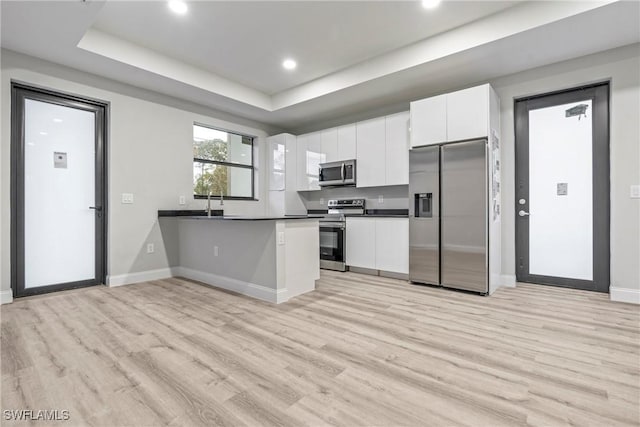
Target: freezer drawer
x=464, y=242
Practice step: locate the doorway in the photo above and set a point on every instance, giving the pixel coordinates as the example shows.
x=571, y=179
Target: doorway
x=562, y=188
x=58, y=191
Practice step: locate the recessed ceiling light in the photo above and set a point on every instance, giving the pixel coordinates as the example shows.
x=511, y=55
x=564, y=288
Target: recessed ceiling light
x=289, y=64
x=430, y=4
x=43, y=133
x=178, y=6
x=57, y=120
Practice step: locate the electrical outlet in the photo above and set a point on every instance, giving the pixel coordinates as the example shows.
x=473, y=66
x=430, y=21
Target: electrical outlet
x=635, y=192
x=182, y=201
x=150, y=248
x=127, y=198
x=322, y=200
x=381, y=199
x=281, y=237
x=215, y=251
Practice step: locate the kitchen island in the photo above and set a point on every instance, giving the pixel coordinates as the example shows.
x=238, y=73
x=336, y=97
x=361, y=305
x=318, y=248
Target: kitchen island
x=269, y=258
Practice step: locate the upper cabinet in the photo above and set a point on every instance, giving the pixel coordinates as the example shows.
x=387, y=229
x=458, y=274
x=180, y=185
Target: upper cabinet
x=397, y=149
x=347, y=142
x=468, y=113
x=429, y=121
x=283, y=169
x=329, y=138
x=382, y=151
x=454, y=116
x=371, y=153
x=315, y=157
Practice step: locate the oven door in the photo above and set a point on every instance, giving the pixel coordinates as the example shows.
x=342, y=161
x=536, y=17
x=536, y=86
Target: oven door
x=332, y=250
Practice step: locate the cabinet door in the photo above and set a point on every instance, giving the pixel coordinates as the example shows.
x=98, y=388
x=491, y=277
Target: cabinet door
x=429, y=121
x=361, y=242
x=370, y=149
x=392, y=244
x=302, y=183
x=397, y=149
x=347, y=142
x=468, y=113
x=290, y=163
x=330, y=144
x=276, y=170
x=314, y=158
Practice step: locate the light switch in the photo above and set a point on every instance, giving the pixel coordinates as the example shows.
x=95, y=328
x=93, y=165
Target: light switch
x=182, y=201
x=127, y=198
x=635, y=192
x=281, y=237
x=381, y=199
x=150, y=248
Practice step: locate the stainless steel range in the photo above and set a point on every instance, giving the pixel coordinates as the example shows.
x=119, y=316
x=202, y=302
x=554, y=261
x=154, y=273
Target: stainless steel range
x=333, y=234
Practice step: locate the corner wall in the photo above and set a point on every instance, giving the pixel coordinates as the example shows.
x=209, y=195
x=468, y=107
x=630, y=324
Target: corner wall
x=149, y=154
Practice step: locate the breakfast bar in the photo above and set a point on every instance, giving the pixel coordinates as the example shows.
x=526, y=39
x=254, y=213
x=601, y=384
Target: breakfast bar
x=269, y=258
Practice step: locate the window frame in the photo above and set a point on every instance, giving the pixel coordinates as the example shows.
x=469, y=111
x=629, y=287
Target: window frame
x=251, y=167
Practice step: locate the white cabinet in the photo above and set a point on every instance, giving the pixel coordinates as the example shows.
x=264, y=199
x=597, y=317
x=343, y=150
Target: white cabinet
x=429, y=121
x=361, y=242
x=276, y=155
x=315, y=156
x=371, y=151
x=302, y=182
x=468, y=113
x=347, y=142
x=378, y=244
x=283, y=167
x=329, y=138
x=392, y=244
x=454, y=116
x=397, y=149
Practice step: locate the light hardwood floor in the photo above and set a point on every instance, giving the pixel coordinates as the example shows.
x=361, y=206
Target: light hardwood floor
x=360, y=350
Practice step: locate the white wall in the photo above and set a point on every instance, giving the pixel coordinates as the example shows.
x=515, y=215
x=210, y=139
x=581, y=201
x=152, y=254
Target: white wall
x=622, y=67
x=150, y=155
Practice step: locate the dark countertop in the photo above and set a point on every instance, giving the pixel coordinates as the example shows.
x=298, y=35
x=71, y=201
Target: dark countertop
x=218, y=216
x=376, y=213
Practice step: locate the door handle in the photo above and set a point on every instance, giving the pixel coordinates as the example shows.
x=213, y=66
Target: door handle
x=97, y=208
x=523, y=213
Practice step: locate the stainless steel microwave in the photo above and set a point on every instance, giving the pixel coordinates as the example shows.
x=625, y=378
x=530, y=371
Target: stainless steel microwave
x=342, y=173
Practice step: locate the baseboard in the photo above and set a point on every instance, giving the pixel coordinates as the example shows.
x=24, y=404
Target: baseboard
x=508, y=281
x=6, y=297
x=141, y=276
x=245, y=288
x=627, y=295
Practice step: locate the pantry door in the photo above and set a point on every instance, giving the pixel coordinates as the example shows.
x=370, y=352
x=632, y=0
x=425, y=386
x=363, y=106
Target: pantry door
x=58, y=191
x=562, y=188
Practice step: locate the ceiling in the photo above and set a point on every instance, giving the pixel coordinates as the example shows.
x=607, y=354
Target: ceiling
x=352, y=56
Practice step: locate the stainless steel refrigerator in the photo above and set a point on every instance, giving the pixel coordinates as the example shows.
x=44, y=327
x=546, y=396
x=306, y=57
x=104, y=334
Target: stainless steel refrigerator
x=449, y=216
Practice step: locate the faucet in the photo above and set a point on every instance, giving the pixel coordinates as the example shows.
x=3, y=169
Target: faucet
x=221, y=199
x=208, y=209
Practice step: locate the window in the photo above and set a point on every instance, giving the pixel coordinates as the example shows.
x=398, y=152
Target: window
x=222, y=163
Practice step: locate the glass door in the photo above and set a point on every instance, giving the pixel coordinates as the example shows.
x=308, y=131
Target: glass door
x=562, y=194
x=58, y=179
x=332, y=243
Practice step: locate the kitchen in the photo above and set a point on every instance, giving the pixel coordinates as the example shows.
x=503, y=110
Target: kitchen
x=412, y=321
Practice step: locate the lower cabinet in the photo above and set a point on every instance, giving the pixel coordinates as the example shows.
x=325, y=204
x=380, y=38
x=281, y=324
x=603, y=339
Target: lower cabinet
x=378, y=244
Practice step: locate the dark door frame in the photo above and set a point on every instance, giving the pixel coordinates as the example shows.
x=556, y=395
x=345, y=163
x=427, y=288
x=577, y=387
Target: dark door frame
x=599, y=94
x=19, y=93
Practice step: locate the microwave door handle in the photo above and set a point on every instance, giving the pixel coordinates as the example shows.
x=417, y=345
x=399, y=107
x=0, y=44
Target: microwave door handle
x=342, y=167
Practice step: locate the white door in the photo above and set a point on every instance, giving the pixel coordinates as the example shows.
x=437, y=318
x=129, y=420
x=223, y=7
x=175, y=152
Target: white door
x=58, y=182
